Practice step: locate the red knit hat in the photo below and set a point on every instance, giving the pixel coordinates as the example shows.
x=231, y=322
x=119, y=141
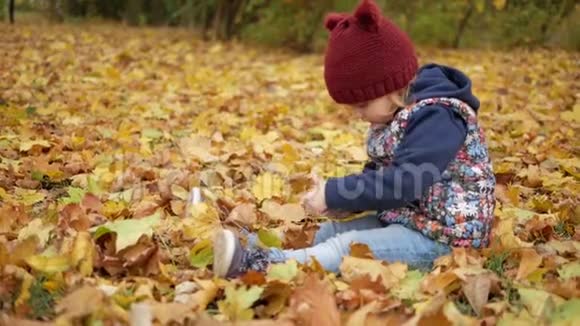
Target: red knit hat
x=367, y=55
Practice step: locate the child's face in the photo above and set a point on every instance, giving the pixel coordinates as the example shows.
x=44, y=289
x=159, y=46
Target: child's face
x=377, y=111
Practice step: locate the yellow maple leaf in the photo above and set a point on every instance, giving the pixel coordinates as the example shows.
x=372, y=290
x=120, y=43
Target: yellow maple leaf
x=238, y=302
x=51, y=264
x=27, y=145
x=352, y=268
x=202, y=222
x=504, y=233
x=268, y=185
x=37, y=229
x=82, y=253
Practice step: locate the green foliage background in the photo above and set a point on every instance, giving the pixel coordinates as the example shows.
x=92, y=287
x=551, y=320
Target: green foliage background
x=298, y=23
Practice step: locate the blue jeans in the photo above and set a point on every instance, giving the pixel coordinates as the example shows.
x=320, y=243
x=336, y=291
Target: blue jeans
x=390, y=243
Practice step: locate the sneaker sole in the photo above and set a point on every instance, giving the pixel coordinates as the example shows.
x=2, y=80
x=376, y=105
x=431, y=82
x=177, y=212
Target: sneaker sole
x=224, y=246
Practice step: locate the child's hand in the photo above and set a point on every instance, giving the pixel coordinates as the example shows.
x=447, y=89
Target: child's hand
x=314, y=201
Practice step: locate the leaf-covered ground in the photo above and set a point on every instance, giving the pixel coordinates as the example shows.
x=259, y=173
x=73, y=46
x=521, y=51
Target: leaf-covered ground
x=109, y=136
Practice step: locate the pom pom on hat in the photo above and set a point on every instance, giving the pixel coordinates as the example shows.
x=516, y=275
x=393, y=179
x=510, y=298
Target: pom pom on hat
x=368, y=15
x=333, y=19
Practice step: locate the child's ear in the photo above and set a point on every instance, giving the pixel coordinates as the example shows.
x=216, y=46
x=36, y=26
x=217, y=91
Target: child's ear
x=368, y=15
x=333, y=19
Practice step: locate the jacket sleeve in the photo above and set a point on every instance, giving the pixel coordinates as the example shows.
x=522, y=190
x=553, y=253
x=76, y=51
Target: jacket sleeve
x=432, y=139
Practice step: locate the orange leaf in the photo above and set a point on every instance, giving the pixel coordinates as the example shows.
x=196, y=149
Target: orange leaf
x=434, y=284
x=314, y=304
x=360, y=250
x=529, y=263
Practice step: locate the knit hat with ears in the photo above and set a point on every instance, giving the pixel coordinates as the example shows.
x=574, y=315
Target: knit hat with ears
x=367, y=55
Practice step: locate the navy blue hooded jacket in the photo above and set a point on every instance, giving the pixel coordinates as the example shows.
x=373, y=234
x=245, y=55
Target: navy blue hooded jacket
x=434, y=135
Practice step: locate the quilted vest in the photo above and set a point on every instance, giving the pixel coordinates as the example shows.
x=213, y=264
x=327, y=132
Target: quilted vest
x=458, y=209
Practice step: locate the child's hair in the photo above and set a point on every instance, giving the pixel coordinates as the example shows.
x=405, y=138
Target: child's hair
x=401, y=97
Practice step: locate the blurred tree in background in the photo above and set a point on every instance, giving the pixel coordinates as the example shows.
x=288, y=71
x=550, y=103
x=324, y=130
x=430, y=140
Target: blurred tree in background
x=298, y=23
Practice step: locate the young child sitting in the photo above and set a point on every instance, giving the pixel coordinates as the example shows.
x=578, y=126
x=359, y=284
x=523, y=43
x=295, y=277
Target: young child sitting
x=429, y=177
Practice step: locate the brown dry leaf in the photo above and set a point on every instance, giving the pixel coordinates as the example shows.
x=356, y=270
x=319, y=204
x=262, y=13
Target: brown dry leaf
x=286, y=212
x=36, y=228
x=567, y=289
x=299, y=236
x=508, y=194
x=352, y=268
x=460, y=256
x=7, y=212
x=93, y=129
x=171, y=312
x=300, y=182
x=212, y=322
x=253, y=278
x=476, y=290
x=456, y=317
x=142, y=258
x=293, y=212
x=80, y=302
x=243, y=215
x=532, y=176
x=349, y=299
x=9, y=321
x=314, y=304
x=276, y=294
x=178, y=207
x=74, y=216
x=386, y=319
x=464, y=272
x=539, y=228
x=91, y=202
x=197, y=147
x=206, y=294
x=366, y=282
x=564, y=247
x=436, y=283
x=23, y=250
x=530, y=261
x=359, y=317
x=398, y=269
x=504, y=233
x=137, y=254
x=4, y=256
x=360, y=250
x=430, y=312
x=496, y=308
x=315, y=267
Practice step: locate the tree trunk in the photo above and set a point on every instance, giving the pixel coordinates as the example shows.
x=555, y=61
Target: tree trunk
x=218, y=19
x=11, y=11
x=205, y=21
x=553, y=21
x=92, y=9
x=55, y=14
x=133, y=12
x=463, y=25
x=234, y=11
x=189, y=15
x=157, y=10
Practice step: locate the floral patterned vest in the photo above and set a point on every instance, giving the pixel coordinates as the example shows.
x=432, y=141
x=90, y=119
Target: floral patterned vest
x=458, y=209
